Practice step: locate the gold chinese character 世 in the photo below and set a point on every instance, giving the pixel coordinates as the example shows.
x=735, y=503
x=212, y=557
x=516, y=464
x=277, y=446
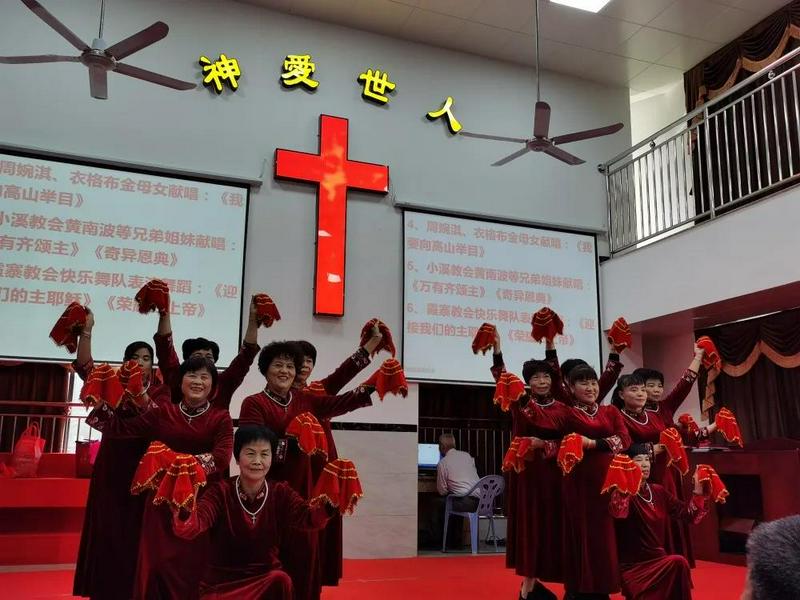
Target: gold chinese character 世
x=446, y=110
x=297, y=69
x=375, y=85
x=224, y=69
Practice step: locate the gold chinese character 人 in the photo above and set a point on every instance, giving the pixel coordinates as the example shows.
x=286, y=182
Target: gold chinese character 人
x=375, y=85
x=447, y=111
x=297, y=69
x=224, y=69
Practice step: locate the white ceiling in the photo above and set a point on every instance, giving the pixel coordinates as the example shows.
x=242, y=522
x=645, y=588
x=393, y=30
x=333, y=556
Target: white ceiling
x=640, y=44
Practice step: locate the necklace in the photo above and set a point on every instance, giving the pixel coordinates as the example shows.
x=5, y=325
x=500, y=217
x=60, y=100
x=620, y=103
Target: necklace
x=589, y=409
x=650, y=490
x=252, y=514
x=635, y=418
x=284, y=404
x=199, y=412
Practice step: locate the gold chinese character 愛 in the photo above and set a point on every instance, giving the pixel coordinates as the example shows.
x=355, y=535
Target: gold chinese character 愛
x=452, y=123
x=375, y=85
x=224, y=69
x=297, y=69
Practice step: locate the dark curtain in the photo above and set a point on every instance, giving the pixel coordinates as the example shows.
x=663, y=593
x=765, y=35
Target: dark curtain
x=766, y=399
x=755, y=144
x=40, y=382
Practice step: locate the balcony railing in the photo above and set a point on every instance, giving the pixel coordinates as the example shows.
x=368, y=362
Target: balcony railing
x=738, y=147
x=61, y=424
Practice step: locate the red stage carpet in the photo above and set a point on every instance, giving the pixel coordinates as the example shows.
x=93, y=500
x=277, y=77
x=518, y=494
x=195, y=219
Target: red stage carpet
x=468, y=577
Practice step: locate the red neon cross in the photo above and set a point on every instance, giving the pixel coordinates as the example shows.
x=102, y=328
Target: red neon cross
x=334, y=174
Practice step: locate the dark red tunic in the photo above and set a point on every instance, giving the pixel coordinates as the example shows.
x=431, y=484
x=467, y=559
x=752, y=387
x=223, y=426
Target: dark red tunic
x=112, y=522
x=168, y=567
x=244, y=563
x=649, y=572
x=301, y=556
x=228, y=381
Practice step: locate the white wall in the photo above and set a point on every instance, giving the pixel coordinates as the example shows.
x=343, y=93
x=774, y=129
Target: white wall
x=652, y=111
x=48, y=106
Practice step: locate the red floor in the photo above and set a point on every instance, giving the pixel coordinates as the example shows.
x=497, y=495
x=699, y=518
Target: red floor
x=467, y=577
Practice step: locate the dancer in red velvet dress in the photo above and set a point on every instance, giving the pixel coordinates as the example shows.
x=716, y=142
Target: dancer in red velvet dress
x=649, y=571
x=275, y=408
x=248, y=517
x=112, y=522
x=168, y=568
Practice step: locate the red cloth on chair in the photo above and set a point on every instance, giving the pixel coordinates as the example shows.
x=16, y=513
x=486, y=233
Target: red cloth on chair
x=102, y=385
x=181, y=482
x=623, y=474
x=708, y=476
x=729, y=427
x=546, y=324
x=69, y=325
x=389, y=379
x=152, y=467
x=484, y=339
x=520, y=450
x=153, y=296
x=509, y=389
x=675, y=450
x=338, y=485
x=386, y=342
x=711, y=358
x=570, y=453
x=309, y=434
x=620, y=334
x=266, y=310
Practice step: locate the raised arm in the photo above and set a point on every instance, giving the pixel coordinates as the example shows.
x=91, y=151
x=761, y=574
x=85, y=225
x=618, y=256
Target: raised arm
x=83, y=363
x=205, y=515
x=498, y=365
x=692, y=511
x=672, y=401
x=609, y=376
x=345, y=372
x=231, y=378
x=168, y=362
x=326, y=407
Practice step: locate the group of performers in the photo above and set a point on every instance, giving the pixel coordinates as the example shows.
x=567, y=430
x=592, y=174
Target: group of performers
x=162, y=519
x=571, y=520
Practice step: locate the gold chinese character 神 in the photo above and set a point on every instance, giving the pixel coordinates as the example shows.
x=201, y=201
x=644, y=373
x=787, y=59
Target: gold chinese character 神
x=225, y=69
x=297, y=69
x=375, y=85
x=452, y=123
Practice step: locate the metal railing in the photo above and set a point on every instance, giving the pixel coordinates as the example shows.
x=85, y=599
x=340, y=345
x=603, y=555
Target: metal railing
x=61, y=423
x=737, y=147
x=485, y=440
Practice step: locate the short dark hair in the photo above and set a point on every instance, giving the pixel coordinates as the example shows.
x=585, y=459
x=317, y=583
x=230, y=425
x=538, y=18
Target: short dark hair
x=308, y=349
x=638, y=449
x=247, y=434
x=134, y=347
x=647, y=374
x=622, y=383
x=198, y=363
x=194, y=344
x=773, y=556
x=533, y=366
x=582, y=373
x=275, y=349
x=569, y=364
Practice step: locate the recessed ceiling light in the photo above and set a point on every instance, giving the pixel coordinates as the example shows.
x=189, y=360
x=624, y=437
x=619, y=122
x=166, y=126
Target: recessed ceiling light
x=590, y=5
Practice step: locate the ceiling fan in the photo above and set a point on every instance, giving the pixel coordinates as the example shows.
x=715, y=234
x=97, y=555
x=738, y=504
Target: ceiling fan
x=541, y=140
x=102, y=58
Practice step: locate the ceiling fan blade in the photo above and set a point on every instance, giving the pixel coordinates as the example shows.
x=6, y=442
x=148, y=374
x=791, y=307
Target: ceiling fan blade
x=98, y=83
x=541, y=120
x=588, y=134
x=499, y=138
x=147, y=36
x=38, y=58
x=510, y=157
x=145, y=75
x=62, y=29
x=563, y=156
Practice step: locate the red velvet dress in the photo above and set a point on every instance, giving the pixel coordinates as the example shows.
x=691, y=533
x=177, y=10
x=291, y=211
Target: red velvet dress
x=649, y=572
x=330, y=537
x=228, y=381
x=167, y=566
x=301, y=556
x=112, y=522
x=589, y=562
x=244, y=563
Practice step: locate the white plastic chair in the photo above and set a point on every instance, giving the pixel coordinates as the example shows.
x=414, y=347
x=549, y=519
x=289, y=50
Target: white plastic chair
x=490, y=487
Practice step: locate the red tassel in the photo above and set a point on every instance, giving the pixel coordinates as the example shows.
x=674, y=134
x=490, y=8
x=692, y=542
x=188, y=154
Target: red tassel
x=315, y=388
x=266, y=310
x=672, y=441
x=546, y=324
x=484, y=339
x=102, y=385
x=181, y=482
x=509, y=389
x=339, y=486
x=570, y=453
x=389, y=379
x=520, y=450
x=386, y=342
x=729, y=427
x=152, y=467
x=68, y=326
x=711, y=358
x=131, y=378
x=620, y=334
x=153, y=296
x=309, y=434
x=708, y=476
x=623, y=474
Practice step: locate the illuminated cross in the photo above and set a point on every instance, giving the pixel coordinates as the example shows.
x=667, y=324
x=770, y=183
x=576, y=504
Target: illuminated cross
x=334, y=174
